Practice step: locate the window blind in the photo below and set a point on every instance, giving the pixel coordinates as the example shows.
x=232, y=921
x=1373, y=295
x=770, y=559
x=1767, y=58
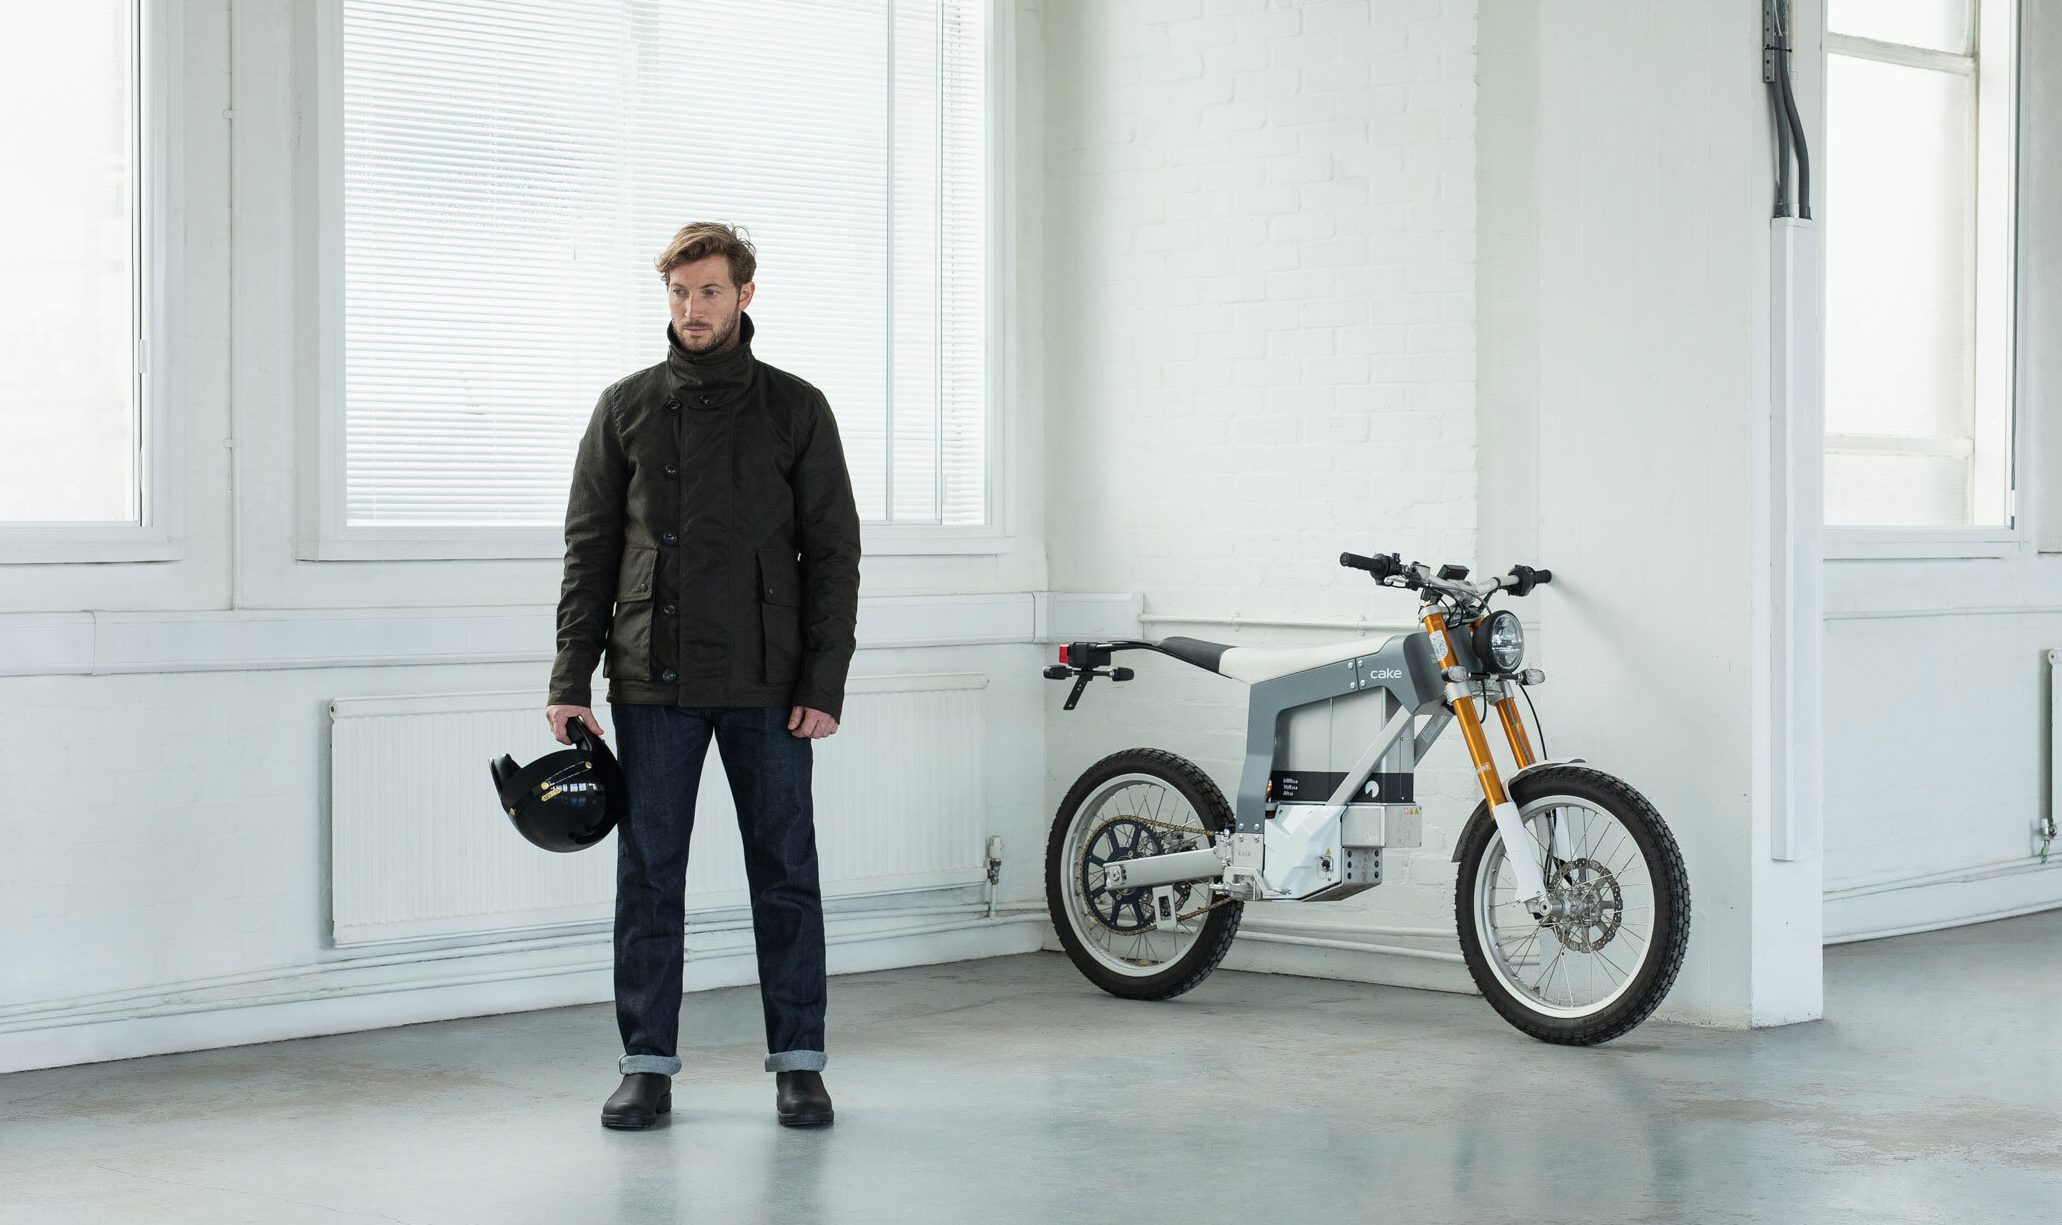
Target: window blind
x=512, y=169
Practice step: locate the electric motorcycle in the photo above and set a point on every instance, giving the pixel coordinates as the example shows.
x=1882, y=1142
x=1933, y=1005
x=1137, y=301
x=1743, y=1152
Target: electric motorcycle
x=1571, y=900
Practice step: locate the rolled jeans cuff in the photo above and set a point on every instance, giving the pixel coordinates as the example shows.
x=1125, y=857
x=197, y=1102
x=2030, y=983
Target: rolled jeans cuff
x=796, y=1061
x=665, y=1065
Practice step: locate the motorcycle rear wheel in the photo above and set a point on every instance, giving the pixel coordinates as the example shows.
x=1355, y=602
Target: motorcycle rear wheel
x=1131, y=804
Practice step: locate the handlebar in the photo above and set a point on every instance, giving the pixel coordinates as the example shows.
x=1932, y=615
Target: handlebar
x=1417, y=575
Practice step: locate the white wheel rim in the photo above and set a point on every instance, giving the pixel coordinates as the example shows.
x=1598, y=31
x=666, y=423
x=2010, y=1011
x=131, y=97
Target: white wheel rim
x=1149, y=951
x=1547, y=971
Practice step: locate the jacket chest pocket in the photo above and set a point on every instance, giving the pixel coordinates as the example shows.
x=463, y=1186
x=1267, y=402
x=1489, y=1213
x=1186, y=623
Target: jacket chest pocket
x=780, y=616
x=629, y=653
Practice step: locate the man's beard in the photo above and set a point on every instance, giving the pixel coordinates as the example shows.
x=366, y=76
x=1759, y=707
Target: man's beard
x=714, y=339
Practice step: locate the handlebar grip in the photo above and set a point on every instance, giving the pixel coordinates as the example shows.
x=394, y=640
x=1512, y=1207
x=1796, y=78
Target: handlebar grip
x=1381, y=565
x=1528, y=578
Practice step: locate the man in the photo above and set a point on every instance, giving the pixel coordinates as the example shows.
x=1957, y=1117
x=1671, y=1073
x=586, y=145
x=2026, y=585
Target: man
x=712, y=566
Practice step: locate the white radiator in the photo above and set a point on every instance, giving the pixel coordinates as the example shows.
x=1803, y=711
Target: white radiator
x=420, y=848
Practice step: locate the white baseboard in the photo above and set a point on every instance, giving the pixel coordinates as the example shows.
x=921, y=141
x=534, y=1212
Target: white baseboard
x=345, y=998
x=1978, y=895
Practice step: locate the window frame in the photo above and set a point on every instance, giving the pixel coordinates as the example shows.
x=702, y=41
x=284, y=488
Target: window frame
x=321, y=531
x=157, y=152
x=1998, y=219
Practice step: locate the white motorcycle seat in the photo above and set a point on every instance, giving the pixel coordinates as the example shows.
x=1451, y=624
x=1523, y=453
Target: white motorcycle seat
x=1255, y=664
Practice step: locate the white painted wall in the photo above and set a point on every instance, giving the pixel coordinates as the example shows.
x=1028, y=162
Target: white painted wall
x=166, y=890
x=1261, y=353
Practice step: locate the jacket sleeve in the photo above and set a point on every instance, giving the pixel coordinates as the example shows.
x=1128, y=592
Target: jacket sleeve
x=594, y=550
x=827, y=521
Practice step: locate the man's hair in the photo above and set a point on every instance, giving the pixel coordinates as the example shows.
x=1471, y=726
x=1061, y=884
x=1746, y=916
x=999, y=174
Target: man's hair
x=701, y=239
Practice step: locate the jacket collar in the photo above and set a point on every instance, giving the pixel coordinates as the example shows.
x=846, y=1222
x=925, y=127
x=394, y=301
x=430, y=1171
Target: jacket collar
x=712, y=380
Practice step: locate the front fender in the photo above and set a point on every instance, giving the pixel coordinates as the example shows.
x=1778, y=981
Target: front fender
x=1509, y=783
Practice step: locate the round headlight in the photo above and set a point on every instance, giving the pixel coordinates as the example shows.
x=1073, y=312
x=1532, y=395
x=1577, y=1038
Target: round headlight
x=1500, y=641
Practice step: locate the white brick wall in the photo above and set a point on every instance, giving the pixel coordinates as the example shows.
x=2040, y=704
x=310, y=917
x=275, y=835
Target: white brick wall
x=1260, y=345
x=1260, y=236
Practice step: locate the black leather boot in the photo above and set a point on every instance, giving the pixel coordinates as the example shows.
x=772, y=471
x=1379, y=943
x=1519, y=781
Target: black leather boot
x=643, y=1097
x=802, y=1099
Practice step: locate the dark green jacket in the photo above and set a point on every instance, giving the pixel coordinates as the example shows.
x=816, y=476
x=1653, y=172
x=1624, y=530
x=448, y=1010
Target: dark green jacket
x=712, y=544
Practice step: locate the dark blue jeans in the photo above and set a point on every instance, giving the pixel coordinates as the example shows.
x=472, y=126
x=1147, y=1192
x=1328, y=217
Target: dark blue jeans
x=662, y=749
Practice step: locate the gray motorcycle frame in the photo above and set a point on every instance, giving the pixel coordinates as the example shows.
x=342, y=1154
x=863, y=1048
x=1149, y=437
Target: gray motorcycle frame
x=1311, y=721
x=1404, y=676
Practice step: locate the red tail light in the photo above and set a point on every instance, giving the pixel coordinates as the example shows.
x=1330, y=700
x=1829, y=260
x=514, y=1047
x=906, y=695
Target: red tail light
x=1063, y=653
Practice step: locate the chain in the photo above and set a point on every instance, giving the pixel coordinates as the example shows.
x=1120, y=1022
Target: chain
x=1223, y=901
x=1142, y=820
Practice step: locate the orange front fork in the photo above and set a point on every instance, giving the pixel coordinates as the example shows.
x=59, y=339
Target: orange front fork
x=1471, y=723
x=1514, y=730
x=1464, y=714
x=1531, y=882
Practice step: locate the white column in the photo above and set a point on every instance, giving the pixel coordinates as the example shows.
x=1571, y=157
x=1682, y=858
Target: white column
x=1628, y=444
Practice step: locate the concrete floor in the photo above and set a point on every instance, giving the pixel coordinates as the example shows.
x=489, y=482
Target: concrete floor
x=1010, y=1090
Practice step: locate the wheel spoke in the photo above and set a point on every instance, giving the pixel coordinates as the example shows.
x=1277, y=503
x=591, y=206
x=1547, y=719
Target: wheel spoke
x=1131, y=817
x=1606, y=959
x=1602, y=900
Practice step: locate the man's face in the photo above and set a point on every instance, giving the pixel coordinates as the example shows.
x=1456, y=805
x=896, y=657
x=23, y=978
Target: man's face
x=706, y=306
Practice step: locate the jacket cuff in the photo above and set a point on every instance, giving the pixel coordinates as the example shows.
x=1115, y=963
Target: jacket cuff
x=828, y=705
x=571, y=685
x=819, y=691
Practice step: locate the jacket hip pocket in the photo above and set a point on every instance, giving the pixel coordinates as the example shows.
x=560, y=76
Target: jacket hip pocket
x=780, y=617
x=629, y=655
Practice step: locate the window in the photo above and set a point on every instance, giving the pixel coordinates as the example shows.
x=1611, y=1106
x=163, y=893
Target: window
x=509, y=172
x=1919, y=133
x=79, y=460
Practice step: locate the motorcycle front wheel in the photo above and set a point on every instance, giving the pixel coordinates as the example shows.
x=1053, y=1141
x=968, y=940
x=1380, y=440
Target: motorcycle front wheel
x=1129, y=805
x=1618, y=908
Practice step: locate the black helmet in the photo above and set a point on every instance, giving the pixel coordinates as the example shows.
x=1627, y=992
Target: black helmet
x=564, y=801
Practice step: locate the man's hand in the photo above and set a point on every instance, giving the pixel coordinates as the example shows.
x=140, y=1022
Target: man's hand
x=559, y=716
x=810, y=722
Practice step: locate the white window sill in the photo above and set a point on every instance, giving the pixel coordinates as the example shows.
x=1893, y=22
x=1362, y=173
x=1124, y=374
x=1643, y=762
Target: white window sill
x=87, y=543
x=250, y=640
x=1901, y=544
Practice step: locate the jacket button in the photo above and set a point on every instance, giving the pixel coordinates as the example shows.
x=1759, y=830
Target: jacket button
x=670, y=609
x=672, y=406
x=669, y=538
x=669, y=675
x=672, y=469
x=708, y=400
